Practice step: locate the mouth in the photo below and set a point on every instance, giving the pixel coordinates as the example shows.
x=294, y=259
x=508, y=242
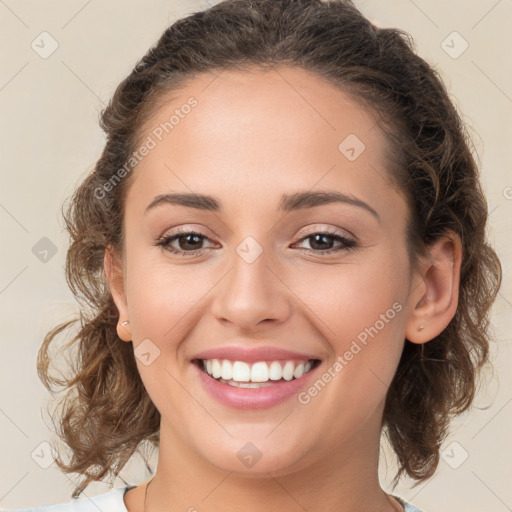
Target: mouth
x=258, y=374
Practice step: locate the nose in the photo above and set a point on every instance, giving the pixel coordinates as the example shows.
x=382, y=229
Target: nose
x=251, y=295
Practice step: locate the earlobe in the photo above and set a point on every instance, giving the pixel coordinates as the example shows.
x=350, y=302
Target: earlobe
x=114, y=274
x=433, y=302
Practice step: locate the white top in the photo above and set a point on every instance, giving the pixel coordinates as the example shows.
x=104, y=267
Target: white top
x=112, y=501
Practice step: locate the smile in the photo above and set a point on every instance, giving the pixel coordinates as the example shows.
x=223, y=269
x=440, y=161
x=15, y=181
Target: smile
x=256, y=385
x=257, y=374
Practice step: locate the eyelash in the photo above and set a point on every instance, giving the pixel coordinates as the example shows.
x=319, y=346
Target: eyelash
x=348, y=244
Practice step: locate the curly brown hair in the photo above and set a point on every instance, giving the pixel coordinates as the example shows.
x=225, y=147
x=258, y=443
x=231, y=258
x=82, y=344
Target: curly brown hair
x=107, y=413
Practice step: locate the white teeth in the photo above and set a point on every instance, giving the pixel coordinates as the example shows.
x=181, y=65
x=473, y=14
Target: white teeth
x=246, y=384
x=259, y=372
x=299, y=371
x=276, y=372
x=288, y=370
x=235, y=372
x=227, y=370
x=216, y=369
x=241, y=371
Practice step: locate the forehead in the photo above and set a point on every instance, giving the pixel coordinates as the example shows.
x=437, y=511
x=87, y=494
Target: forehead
x=257, y=131
x=305, y=106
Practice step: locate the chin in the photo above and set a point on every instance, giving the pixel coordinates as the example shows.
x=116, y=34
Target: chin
x=256, y=459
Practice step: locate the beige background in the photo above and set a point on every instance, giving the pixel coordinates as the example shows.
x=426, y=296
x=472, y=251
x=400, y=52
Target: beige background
x=50, y=139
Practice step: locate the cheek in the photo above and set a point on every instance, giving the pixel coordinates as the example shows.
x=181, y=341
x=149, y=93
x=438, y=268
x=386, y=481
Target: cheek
x=360, y=311
x=347, y=300
x=160, y=296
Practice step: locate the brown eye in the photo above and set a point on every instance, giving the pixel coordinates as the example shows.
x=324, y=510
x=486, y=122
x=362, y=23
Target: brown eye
x=184, y=243
x=323, y=242
x=189, y=241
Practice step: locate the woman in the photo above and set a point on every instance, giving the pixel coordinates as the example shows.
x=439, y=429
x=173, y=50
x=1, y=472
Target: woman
x=281, y=256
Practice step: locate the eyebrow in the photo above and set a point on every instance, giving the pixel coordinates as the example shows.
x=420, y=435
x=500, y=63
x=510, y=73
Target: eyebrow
x=289, y=202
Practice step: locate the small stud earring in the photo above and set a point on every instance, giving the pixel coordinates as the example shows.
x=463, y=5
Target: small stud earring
x=420, y=327
x=125, y=323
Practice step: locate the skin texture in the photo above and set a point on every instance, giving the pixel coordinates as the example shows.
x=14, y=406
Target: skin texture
x=251, y=138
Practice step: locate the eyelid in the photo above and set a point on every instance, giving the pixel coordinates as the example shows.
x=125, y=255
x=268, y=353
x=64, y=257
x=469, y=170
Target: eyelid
x=187, y=228
x=319, y=228
x=184, y=231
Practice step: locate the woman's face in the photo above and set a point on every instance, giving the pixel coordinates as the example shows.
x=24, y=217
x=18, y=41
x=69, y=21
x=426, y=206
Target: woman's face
x=253, y=286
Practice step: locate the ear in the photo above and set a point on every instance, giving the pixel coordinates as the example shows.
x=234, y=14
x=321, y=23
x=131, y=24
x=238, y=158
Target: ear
x=434, y=298
x=114, y=272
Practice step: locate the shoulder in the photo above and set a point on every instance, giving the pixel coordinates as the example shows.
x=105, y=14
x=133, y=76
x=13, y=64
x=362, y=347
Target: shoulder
x=111, y=501
x=408, y=507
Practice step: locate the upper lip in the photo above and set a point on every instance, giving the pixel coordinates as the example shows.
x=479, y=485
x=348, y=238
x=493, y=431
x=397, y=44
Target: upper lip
x=251, y=355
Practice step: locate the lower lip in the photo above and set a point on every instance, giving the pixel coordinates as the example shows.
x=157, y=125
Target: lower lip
x=253, y=398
